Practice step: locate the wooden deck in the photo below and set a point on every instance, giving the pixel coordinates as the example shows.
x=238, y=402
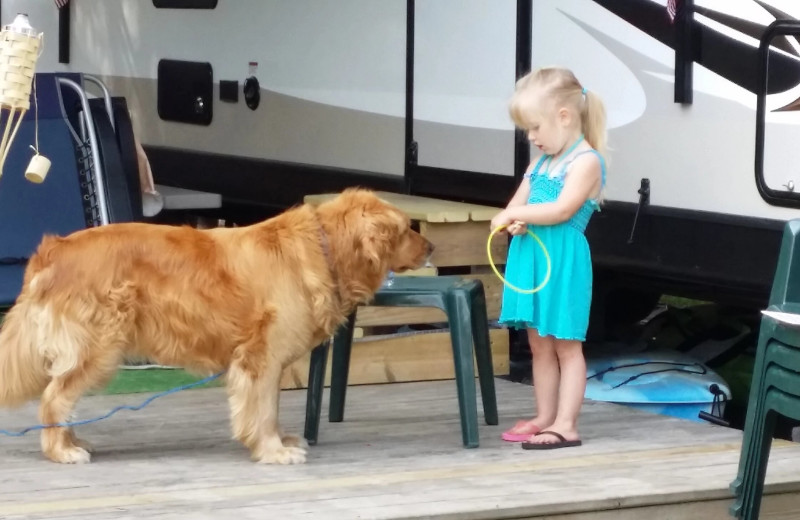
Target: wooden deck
x=397, y=455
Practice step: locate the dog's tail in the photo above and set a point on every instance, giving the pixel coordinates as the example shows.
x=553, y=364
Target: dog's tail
x=23, y=370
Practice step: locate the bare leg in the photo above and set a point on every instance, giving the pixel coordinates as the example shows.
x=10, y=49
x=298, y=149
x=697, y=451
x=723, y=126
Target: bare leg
x=545, y=383
x=570, y=392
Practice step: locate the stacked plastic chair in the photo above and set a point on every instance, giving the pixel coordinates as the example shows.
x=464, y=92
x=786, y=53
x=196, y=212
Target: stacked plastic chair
x=775, y=388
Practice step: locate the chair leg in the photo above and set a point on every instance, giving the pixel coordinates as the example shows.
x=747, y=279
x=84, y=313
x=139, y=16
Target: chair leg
x=782, y=397
x=752, y=441
x=771, y=355
x=316, y=383
x=753, y=422
x=457, y=304
x=751, y=497
x=768, y=376
x=483, y=355
x=340, y=368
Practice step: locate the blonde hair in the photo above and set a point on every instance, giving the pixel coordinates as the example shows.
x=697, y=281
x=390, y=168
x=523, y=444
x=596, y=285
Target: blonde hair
x=562, y=87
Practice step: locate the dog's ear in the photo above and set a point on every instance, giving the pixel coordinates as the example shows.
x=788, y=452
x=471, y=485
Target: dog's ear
x=369, y=226
x=377, y=239
x=380, y=236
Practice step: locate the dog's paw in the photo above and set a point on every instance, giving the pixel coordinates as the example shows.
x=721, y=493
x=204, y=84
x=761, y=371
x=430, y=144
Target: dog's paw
x=73, y=455
x=294, y=441
x=286, y=455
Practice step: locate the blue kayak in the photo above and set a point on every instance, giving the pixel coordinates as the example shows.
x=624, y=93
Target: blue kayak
x=663, y=382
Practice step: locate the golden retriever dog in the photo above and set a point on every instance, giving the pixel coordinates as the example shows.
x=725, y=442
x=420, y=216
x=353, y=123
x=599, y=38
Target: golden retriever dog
x=248, y=300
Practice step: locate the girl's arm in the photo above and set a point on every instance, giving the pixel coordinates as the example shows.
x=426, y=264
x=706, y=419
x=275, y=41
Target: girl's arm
x=520, y=197
x=582, y=182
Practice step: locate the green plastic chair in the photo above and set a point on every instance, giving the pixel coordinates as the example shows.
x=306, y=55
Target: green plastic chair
x=775, y=385
x=464, y=303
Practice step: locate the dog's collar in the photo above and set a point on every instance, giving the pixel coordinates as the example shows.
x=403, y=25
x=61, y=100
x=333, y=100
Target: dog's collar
x=326, y=247
x=326, y=251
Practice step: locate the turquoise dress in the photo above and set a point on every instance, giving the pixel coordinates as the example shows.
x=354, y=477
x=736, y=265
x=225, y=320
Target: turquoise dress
x=561, y=308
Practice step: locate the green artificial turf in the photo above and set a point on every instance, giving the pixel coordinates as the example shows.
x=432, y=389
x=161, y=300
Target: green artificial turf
x=152, y=380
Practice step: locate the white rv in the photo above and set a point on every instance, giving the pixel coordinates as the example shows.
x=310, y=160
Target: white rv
x=265, y=101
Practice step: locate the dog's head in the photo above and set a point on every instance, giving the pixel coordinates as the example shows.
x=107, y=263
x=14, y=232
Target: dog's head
x=371, y=237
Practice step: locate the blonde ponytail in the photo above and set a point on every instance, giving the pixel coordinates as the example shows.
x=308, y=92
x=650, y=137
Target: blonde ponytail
x=593, y=119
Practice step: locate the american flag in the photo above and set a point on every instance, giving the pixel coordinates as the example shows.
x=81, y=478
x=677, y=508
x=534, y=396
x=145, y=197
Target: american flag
x=61, y=3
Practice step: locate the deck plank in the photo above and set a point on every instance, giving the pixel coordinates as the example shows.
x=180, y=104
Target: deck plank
x=397, y=455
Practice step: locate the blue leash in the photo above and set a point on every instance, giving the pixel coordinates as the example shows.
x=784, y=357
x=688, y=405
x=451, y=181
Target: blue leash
x=112, y=412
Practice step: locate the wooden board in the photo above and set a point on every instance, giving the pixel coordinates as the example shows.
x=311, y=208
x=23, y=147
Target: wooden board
x=395, y=359
x=371, y=316
x=780, y=506
x=422, y=271
x=463, y=244
x=493, y=290
x=397, y=455
x=425, y=209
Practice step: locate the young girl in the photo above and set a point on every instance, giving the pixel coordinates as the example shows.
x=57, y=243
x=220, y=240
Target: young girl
x=556, y=200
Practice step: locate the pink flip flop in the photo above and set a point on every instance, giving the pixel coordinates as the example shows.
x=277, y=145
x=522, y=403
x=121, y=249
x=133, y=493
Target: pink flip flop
x=512, y=436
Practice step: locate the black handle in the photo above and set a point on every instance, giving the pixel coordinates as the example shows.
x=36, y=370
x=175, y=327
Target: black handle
x=713, y=419
x=644, y=200
x=775, y=29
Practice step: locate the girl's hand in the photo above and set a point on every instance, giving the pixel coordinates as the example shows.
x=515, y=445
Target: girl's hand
x=501, y=219
x=517, y=227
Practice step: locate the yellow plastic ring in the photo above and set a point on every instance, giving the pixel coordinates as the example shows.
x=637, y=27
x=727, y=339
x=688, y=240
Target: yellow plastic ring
x=506, y=282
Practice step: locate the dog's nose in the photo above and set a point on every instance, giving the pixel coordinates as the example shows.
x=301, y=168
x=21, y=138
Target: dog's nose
x=430, y=247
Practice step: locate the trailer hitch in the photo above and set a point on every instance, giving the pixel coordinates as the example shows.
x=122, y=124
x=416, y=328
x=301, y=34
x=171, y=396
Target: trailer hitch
x=644, y=200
